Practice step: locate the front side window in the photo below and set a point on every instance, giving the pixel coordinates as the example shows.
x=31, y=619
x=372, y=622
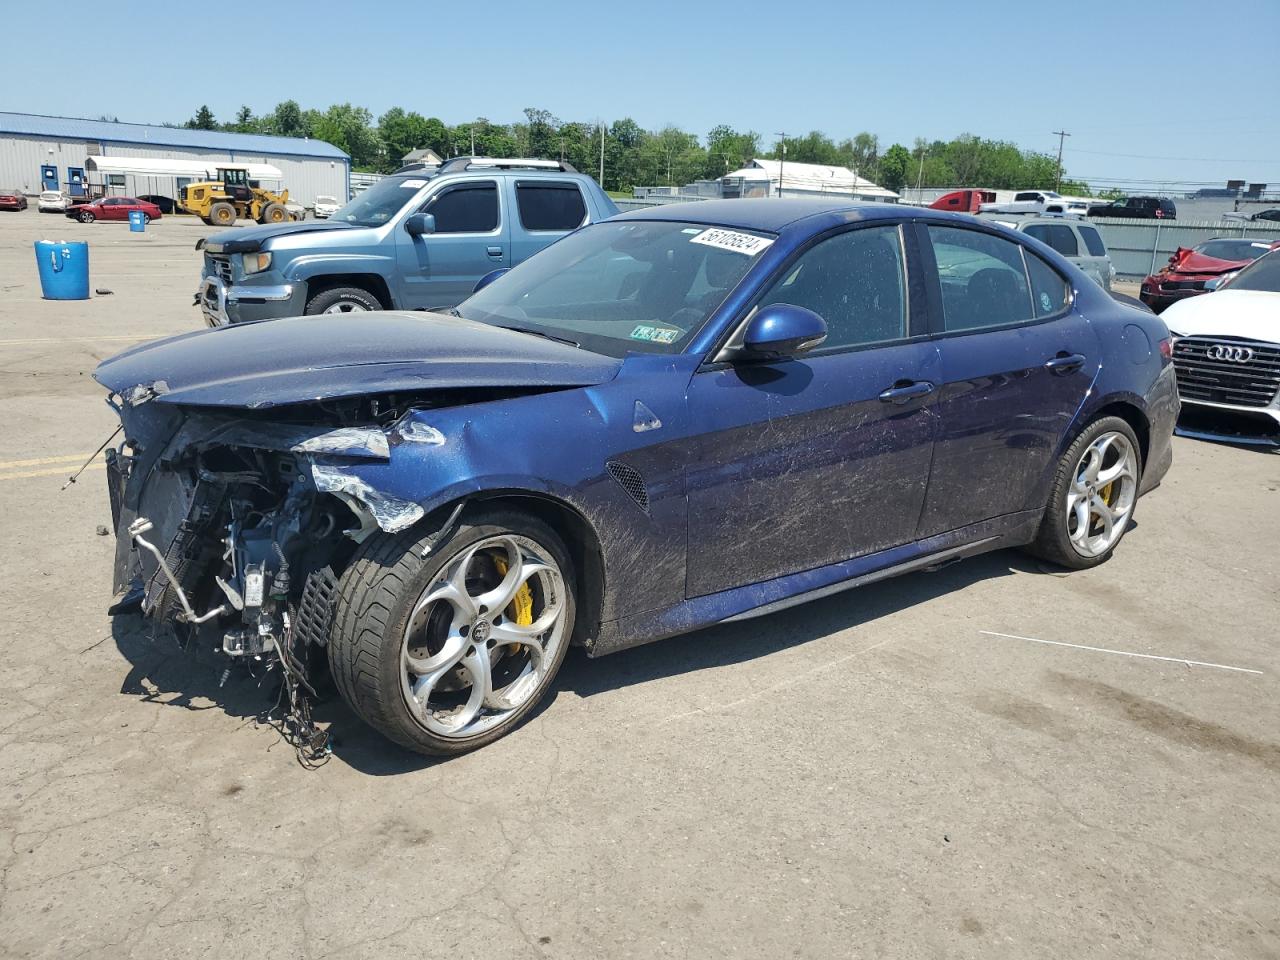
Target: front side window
x=1026, y=196
x=550, y=206
x=1056, y=235
x=1093, y=242
x=616, y=287
x=465, y=208
x=855, y=281
x=983, y=281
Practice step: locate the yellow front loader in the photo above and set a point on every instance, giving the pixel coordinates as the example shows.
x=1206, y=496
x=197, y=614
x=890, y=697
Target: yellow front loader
x=231, y=197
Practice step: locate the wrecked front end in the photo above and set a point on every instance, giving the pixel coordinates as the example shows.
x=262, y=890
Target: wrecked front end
x=232, y=526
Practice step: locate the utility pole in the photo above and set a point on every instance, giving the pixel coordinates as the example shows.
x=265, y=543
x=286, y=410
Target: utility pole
x=782, y=166
x=920, y=175
x=1061, y=135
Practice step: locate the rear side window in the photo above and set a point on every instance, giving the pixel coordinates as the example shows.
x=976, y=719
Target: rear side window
x=550, y=206
x=1056, y=235
x=465, y=208
x=1093, y=242
x=1026, y=196
x=984, y=283
x=1049, y=291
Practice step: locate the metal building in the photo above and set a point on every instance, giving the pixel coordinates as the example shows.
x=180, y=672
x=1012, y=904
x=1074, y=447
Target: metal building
x=50, y=153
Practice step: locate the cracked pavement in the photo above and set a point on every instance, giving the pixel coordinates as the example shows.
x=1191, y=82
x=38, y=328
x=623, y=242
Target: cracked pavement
x=866, y=775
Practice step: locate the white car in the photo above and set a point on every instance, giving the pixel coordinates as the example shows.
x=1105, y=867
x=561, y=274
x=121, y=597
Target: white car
x=326, y=207
x=53, y=201
x=1226, y=353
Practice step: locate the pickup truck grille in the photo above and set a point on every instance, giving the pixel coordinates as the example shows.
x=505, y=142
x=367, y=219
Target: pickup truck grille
x=220, y=267
x=1251, y=383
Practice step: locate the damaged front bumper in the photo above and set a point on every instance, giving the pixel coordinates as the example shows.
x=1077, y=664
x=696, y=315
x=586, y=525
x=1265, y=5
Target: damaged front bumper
x=227, y=524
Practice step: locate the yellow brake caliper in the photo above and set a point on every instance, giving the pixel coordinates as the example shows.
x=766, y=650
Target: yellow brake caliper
x=521, y=607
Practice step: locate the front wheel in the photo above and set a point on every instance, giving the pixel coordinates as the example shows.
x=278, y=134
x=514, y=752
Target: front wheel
x=1094, y=492
x=448, y=652
x=342, y=300
x=86, y=216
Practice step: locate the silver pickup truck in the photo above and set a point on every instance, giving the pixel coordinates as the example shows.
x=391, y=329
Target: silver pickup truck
x=415, y=240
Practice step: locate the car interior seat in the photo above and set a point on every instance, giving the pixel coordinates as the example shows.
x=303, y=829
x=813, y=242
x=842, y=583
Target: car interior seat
x=994, y=295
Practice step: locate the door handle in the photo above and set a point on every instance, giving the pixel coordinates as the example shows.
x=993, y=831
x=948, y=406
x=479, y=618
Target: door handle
x=495, y=253
x=1064, y=363
x=905, y=390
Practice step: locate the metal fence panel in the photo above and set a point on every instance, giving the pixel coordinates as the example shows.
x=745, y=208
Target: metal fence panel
x=1140, y=247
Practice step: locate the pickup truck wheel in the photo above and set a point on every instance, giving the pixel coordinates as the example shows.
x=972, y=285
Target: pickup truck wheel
x=446, y=647
x=222, y=214
x=342, y=300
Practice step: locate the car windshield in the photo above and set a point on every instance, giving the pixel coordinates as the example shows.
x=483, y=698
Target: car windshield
x=1234, y=249
x=379, y=203
x=622, y=286
x=1263, y=274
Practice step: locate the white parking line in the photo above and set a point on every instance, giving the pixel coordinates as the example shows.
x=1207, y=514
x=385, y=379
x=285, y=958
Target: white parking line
x=1122, y=653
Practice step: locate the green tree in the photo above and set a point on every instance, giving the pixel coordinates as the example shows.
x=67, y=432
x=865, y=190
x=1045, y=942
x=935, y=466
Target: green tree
x=350, y=128
x=540, y=136
x=893, y=167
x=203, y=120
x=401, y=132
x=287, y=120
x=245, y=122
x=729, y=150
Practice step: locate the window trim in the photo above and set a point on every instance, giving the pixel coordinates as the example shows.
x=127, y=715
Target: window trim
x=937, y=320
x=443, y=188
x=559, y=185
x=913, y=290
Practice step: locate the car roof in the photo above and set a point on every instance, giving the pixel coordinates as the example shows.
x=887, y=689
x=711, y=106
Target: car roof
x=772, y=215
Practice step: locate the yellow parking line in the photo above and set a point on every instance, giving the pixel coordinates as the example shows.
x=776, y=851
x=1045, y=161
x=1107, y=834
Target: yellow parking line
x=145, y=336
x=47, y=472
x=40, y=461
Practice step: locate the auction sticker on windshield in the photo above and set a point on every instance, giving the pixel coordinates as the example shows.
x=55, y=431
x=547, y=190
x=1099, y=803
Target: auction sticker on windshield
x=413, y=184
x=655, y=334
x=744, y=243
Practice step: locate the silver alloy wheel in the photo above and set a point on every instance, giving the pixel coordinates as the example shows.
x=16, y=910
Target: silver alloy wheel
x=345, y=306
x=482, y=636
x=1104, y=487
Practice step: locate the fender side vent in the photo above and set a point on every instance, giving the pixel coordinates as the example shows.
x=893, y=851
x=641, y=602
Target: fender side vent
x=630, y=480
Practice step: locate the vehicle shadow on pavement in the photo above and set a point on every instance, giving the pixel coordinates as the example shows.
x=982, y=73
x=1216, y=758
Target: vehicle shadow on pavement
x=750, y=639
x=164, y=672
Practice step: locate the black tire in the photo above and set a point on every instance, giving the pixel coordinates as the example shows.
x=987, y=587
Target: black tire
x=146, y=218
x=274, y=213
x=86, y=216
x=344, y=299
x=1052, y=541
x=377, y=594
x=222, y=215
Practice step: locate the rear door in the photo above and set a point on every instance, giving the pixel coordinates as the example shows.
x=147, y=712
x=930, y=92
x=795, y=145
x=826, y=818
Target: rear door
x=472, y=238
x=1017, y=363
x=823, y=457
x=545, y=211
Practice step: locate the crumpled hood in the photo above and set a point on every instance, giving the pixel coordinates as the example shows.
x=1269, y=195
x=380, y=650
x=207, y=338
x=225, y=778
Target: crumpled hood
x=1197, y=263
x=1251, y=314
x=300, y=359
x=248, y=239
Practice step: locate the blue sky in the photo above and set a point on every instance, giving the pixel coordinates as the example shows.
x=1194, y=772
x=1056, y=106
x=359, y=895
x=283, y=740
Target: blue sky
x=1182, y=92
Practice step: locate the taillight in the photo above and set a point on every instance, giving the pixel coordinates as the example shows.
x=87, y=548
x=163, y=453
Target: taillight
x=1166, y=348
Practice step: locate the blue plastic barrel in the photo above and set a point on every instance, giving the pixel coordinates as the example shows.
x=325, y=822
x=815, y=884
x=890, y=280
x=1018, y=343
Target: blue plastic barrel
x=64, y=269
x=137, y=221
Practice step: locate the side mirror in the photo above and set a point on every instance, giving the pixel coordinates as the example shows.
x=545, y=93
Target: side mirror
x=782, y=330
x=420, y=224
x=488, y=278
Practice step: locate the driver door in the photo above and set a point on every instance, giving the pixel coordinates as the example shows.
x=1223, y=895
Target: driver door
x=472, y=238
x=823, y=457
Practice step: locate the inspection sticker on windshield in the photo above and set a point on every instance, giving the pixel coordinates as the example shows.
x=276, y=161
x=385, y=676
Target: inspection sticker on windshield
x=744, y=243
x=413, y=184
x=654, y=334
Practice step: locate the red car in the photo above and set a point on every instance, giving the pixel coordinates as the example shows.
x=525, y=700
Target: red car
x=12, y=200
x=1189, y=269
x=113, y=208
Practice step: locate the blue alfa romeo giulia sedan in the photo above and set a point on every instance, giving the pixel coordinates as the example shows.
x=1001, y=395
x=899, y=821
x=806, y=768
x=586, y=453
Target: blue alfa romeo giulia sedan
x=673, y=418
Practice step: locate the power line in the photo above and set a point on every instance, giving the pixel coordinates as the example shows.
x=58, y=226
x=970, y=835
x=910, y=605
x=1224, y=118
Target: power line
x=1147, y=156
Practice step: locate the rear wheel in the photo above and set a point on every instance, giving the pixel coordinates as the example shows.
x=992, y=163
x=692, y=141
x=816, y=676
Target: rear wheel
x=1095, y=490
x=222, y=215
x=342, y=300
x=448, y=652
x=275, y=213
x=146, y=218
